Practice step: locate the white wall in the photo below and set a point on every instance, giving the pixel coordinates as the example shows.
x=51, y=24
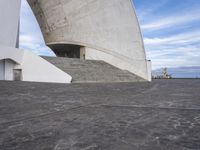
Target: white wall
x=9, y=16
x=35, y=68
x=11, y=53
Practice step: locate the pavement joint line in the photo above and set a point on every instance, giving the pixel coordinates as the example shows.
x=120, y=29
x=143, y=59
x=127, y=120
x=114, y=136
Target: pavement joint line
x=164, y=114
x=140, y=106
x=98, y=105
x=47, y=114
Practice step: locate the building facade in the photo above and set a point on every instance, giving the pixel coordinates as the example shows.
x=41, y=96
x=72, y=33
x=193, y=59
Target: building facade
x=85, y=29
x=105, y=30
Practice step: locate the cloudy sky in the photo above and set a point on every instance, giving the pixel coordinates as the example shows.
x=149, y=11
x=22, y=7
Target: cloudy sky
x=171, y=31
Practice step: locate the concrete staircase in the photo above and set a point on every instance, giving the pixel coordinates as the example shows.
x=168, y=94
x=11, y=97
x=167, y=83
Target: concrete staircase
x=83, y=71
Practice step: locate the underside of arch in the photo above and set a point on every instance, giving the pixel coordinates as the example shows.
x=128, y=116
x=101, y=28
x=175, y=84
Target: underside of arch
x=66, y=50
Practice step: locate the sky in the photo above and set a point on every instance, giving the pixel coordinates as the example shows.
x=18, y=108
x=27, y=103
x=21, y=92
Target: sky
x=170, y=28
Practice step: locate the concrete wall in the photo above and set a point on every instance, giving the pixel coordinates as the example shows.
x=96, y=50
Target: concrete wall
x=34, y=68
x=11, y=53
x=9, y=16
x=119, y=61
x=2, y=65
x=109, y=27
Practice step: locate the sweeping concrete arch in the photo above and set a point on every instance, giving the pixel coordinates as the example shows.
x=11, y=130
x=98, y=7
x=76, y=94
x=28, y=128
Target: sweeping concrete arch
x=107, y=29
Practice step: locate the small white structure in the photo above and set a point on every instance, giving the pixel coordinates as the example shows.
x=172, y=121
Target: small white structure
x=17, y=64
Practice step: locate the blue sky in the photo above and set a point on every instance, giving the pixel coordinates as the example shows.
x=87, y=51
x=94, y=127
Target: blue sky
x=171, y=31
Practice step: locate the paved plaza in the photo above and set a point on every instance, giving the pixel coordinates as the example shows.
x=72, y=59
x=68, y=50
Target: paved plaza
x=162, y=115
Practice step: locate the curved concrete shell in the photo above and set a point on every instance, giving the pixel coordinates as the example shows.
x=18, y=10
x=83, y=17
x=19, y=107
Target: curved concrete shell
x=94, y=29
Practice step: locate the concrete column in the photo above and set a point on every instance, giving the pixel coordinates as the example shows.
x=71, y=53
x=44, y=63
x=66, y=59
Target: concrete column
x=2, y=69
x=82, y=53
x=149, y=70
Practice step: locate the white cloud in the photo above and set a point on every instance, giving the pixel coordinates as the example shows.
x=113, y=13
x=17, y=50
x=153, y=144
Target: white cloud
x=30, y=34
x=145, y=11
x=172, y=21
x=183, y=38
x=34, y=44
x=174, y=51
x=27, y=38
x=171, y=49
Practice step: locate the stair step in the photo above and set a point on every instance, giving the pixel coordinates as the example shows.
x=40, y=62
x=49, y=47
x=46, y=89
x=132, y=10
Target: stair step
x=92, y=70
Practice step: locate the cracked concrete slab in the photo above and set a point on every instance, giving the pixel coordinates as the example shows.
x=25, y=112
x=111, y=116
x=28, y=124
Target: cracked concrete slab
x=164, y=114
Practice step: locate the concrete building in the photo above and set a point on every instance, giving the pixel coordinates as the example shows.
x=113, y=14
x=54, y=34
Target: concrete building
x=105, y=30
x=85, y=29
x=17, y=64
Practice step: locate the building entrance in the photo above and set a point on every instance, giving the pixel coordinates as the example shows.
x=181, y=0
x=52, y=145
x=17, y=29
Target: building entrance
x=17, y=74
x=68, y=50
